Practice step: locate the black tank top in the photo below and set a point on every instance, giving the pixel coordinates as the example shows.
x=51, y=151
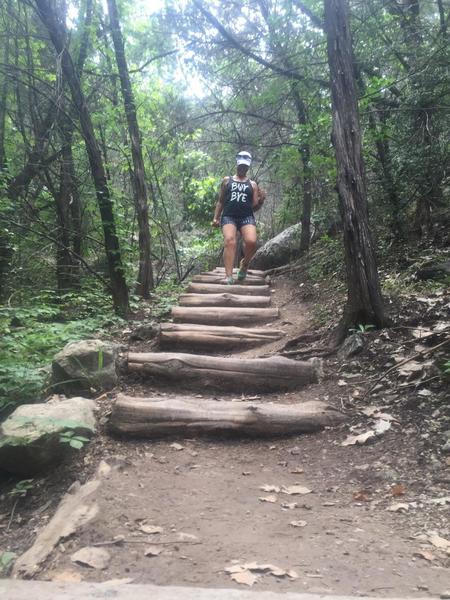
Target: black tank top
x=238, y=199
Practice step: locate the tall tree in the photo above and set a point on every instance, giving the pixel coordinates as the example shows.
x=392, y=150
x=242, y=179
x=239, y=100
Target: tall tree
x=145, y=276
x=364, y=300
x=58, y=35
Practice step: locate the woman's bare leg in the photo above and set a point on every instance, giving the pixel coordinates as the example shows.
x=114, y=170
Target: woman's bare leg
x=248, y=233
x=229, y=238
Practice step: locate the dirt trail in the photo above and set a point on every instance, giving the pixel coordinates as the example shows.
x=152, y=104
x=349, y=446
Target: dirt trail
x=206, y=496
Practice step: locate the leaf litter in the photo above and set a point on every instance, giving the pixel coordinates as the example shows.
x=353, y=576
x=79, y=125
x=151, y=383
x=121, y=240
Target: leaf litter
x=250, y=573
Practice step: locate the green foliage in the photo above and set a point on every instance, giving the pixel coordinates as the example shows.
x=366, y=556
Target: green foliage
x=21, y=489
x=327, y=259
x=165, y=296
x=202, y=197
x=362, y=328
x=6, y=560
x=33, y=333
x=74, y=440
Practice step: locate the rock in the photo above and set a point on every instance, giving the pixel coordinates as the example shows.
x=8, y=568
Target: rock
x=30, y=438
x=90, y=556
x=85, y=368
x=145, y=331
x=434, y=270
x=446, y=447
x=352, y=345
x=280, y=250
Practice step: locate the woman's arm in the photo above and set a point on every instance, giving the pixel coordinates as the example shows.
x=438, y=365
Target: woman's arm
x=259, y=195
x=220, y=202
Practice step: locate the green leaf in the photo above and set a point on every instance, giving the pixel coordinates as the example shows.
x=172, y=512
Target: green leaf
x=76, y=443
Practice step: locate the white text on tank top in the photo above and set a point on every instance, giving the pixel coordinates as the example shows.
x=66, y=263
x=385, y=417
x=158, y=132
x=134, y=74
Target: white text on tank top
x=239, y=192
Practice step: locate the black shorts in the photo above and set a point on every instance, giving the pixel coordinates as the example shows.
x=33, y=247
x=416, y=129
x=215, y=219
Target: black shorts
x=238, y=221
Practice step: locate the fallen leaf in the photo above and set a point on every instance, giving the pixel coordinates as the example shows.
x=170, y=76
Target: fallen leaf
x=292, y=574
x=440, y=501
x=358, y=440
x=381, y=426
x=398, y=490
x=245, y=578
x=114, y=582
x=176, y=446
x=361, y=496
x=153, y=551
x=298, y=523
x=424, y=393
x=293, y=490
x=440, y=542
x=151, y=529
x=186, y=537
x=270, y=488
x=426, y=554
x=97, y=558
x=237, y=570
x=341, y=383
x=421, y=332
x=399, y=507
x=271, y=498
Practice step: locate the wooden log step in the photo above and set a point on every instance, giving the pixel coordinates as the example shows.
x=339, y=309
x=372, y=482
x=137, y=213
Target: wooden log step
x=230, y=374
x=241, y=290
x=223, y=300
x=250, y=271
x=218, y=279
x=226, y=315
x=214, y=337
x=155, y=417
x=222, y=274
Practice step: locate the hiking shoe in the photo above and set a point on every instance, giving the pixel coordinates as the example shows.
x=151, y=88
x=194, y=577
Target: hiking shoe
x=242, y=273
x=227, y=281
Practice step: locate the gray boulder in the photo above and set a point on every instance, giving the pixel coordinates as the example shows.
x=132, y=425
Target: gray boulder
x=280, y=250
x=352, y=345
x=37, y=436
x=434, y=270
x=85, y=368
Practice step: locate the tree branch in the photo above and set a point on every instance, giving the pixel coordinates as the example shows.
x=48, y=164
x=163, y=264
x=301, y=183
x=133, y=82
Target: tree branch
x=237, y=44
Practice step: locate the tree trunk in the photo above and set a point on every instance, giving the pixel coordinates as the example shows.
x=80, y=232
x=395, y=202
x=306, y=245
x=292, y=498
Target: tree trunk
x=64, y=260
x=3, y=100
x=364, y=300
x=145, y=276
x=244, y=375
x=58, y=35
x=390, y=189
x=152, y=417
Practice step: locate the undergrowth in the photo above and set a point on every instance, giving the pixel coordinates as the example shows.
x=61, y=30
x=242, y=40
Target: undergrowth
x=33, y=332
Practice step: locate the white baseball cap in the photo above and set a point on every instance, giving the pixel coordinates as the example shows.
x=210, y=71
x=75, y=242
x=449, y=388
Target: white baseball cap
x=244, y=158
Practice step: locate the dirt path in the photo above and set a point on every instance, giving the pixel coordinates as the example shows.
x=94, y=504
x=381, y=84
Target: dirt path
x=205, y=496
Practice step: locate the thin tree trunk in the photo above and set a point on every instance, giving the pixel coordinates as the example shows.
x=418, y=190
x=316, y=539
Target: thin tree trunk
x=364, y=300
x=390, y=189
x=442, y=19
x=305, y=154
x=58, y=36
x=3, y=100
x=145, y=276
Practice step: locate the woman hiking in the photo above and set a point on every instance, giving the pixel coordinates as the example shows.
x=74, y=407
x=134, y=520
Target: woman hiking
x=239, y=196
